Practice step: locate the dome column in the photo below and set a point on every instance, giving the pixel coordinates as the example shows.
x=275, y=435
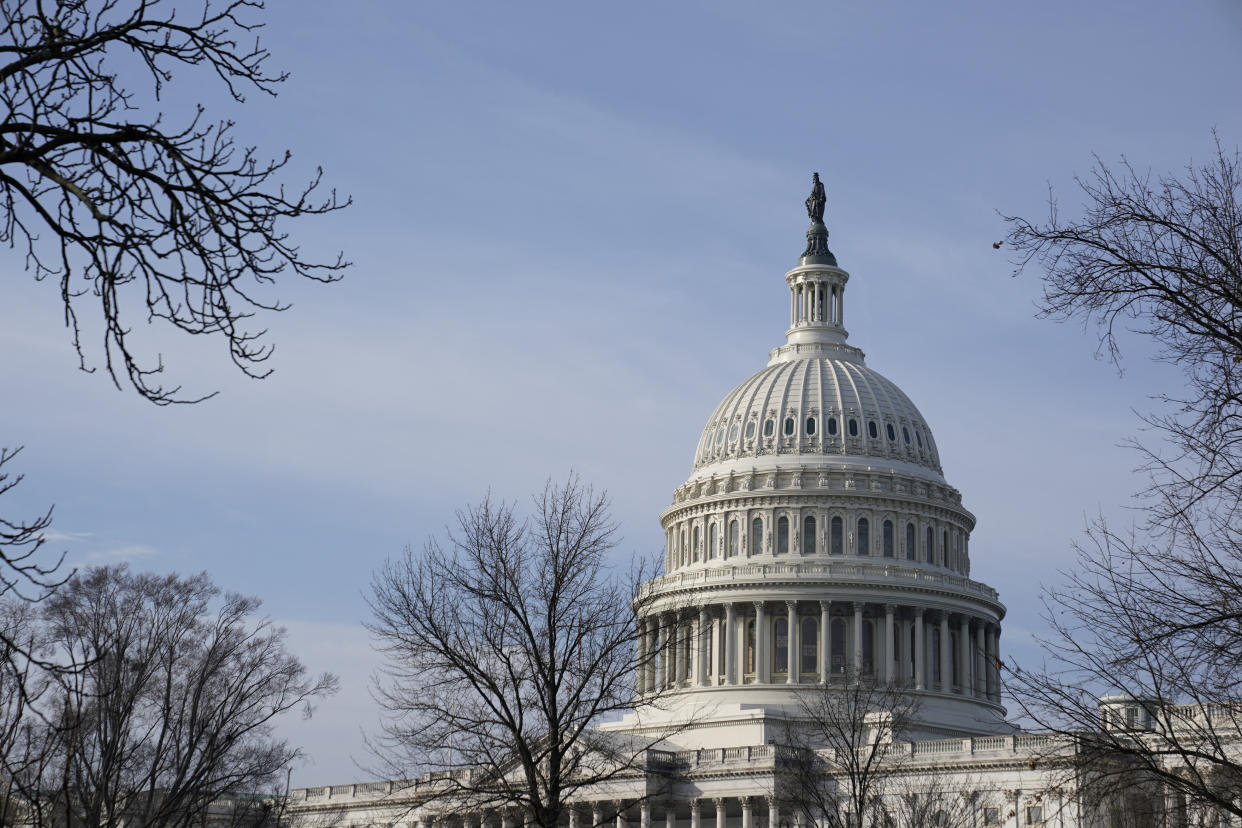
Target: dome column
x=679, y=658
x=920, y=651
x=890, y=652
x=825, y=646
x=993, y=662
x=747, y=816
x=730, y=644
x=762, y=675
x=791, y=641
x=640, y=646
x=713, y=659
x=981, y=645
x=858, y=638
x=963, y=661
x=946, y=668
x=700, y=648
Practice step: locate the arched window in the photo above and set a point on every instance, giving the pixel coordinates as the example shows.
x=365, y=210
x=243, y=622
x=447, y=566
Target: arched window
x=808, y=535
x=789, y=426
x=780, y=648
x=756, y=536
x=810, y=425
x=713, y=534
x=910, y=550
x=733, y=539
x=836, y=540
x=918, y=435
x=695, y=548
x=832, y=426
x=905, y=432
x=750, y=429
x=719, y=436
x=872, y=431
x=769, y=427
x=868, y=642
x=733, y=430
x=837, y=642
x=782, y=535
x=809, y=644
x=892, y=435
x=750, y=646
x=864, y=537
x=888, y=538
x=853, y=427
x=929, y=553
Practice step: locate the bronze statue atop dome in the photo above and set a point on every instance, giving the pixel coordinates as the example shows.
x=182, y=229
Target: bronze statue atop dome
x=816, y=200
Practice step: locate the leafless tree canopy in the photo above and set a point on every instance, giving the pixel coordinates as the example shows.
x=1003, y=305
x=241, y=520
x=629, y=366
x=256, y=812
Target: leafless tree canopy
x=845, y=754
x=166, y=713
x=504, y=643
x=1156, y=612
x=144, y=218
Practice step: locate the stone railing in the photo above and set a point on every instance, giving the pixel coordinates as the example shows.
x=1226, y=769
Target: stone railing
x=854, y=570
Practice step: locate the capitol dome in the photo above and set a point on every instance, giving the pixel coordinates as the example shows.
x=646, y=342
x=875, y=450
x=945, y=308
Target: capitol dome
x=817, y=543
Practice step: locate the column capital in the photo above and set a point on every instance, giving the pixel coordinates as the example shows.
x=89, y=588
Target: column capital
x=825, y=606
x=759, y=606
x=890, y=609
x=918, y=612
x=791, y=605
x=719, y=802
x=746, y=803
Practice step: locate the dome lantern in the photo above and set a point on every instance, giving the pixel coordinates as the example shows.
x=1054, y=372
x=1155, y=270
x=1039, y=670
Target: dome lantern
x=817, y=284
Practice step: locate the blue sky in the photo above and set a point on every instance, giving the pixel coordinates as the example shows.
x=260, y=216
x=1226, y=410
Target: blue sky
x=571, y=226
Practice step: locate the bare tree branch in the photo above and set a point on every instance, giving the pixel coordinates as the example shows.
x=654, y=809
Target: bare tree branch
x=145, y=219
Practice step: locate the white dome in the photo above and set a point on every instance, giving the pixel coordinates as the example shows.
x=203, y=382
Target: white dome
x=828, y=409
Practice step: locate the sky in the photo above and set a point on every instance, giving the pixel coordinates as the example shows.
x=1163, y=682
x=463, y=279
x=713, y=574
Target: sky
x=570, y=227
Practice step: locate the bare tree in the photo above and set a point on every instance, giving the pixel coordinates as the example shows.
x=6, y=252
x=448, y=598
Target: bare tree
x=923, y=799
x=145, y=218
x=1153, y=615
x=504, y=645
x=845, y=751
x=165, y=714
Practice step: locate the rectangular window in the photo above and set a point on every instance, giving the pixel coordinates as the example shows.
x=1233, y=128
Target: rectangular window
x=991, y=816
x=1034, y=815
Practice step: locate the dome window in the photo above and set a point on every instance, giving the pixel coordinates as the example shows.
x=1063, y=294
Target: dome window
x=853, y=427
x=864, y=537
x=750, y=429
x=756, y=536
x=832, y=426
x=808, y=535
x=918, y=436
x=789, y=426
x=769, y=426
x=910, y=553
x=892, y=432
x=836, y=547
x=733, y=432
x=905, y=432
x=872, y=430
x=887, y=538
x=719, y=436
x=810, y=425
x=782, y=535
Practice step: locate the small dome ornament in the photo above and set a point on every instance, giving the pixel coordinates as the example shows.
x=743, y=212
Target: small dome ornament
x=817, y=251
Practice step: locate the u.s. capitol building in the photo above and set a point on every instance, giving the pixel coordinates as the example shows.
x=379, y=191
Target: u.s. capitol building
x=816, y=544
